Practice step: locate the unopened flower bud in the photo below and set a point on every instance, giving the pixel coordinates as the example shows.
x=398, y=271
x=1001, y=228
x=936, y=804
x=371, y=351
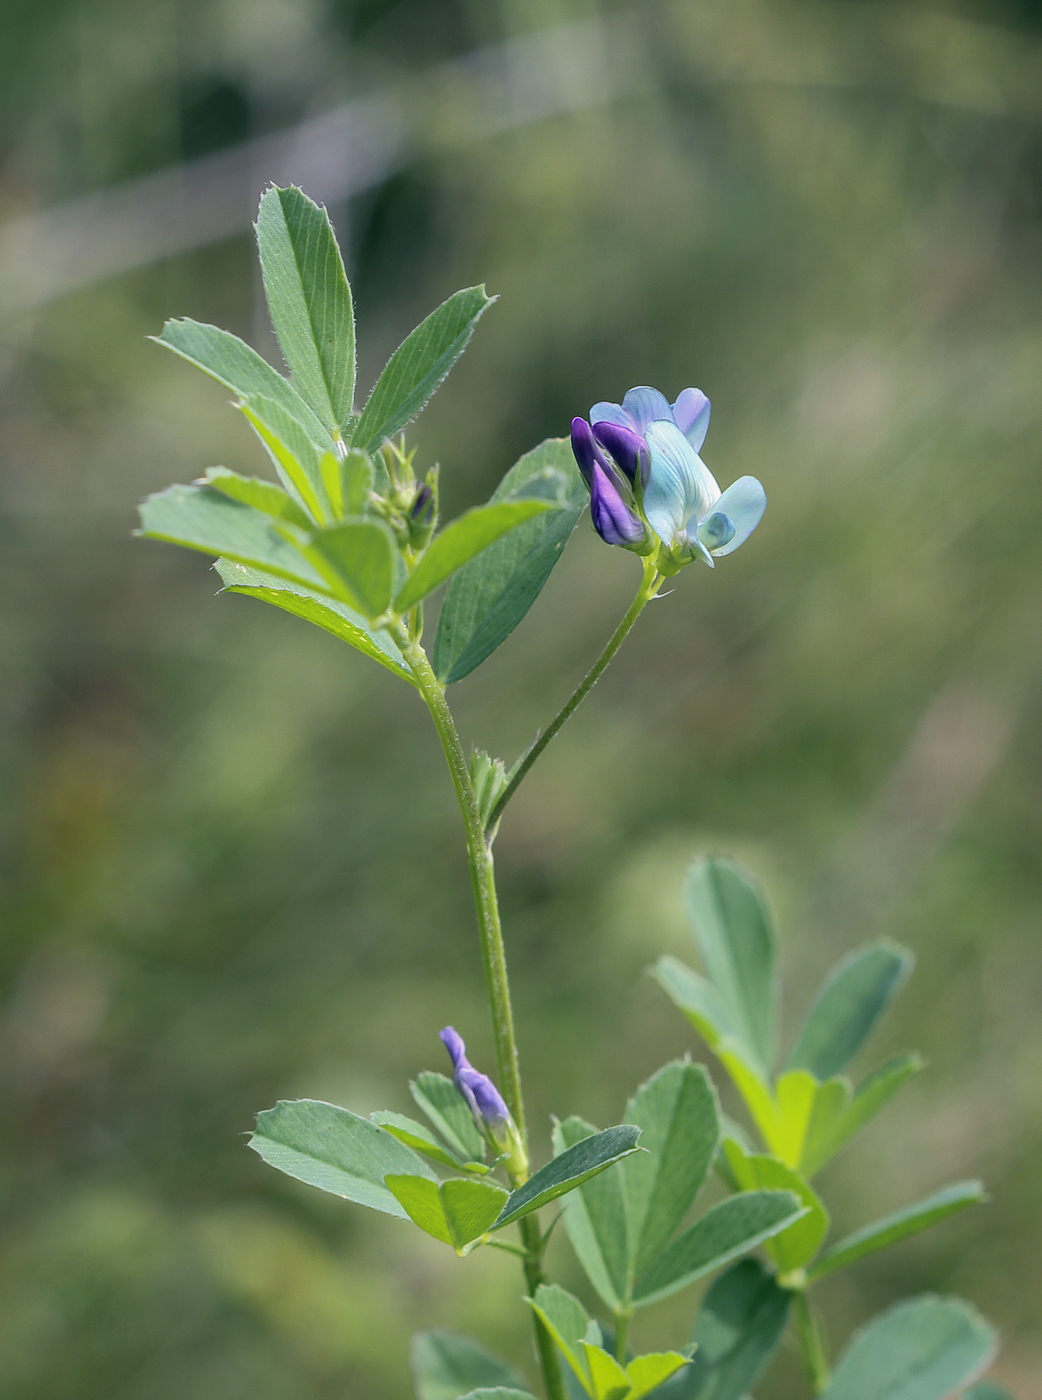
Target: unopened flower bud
x=486, y=1102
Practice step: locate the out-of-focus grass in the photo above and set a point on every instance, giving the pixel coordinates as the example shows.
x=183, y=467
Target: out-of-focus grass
x=232, y=868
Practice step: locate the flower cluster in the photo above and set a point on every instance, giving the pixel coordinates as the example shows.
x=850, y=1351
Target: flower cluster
x=650, y=491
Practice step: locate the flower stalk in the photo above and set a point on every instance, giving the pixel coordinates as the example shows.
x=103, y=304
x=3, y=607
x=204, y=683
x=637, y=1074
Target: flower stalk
x=650, y=585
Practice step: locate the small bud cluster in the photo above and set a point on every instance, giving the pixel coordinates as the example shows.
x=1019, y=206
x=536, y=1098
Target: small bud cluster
x=409, y=506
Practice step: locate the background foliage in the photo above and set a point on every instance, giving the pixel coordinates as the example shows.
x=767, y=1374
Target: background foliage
x=231, y=864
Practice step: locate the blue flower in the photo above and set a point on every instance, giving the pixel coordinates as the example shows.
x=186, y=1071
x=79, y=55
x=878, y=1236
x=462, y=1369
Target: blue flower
x=640, y=460
x=486, y=1102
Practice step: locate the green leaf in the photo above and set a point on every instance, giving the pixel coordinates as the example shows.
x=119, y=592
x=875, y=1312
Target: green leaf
x=450, y=1113
x=734, y=1227
x=239, y=368
x=456, y=1211
x=596, y=1221
x=334, y=1149
x=461, y=541
x=299, y=463
x=794, y=1247
x=699, y=1000
x=608, y=1380
x=199, y=517
x=678, y=1112
x=498, y=1392
x=418, y=366
x=908, y=1221
x=264, y=496
x=357, y=477
x=569, y=1324
x=329, y=613
x=847, y=1010
x=833, y=1099
x=646, y=1373
x=446, y=1366
x=310, y=302
x=873, y=1095
x=921, y=1350
x=988, y=1390
x=575, y=1165
x=742, y=1320
x=489, y=596
x=360, y=556
x=421, y=1139
x=734, y=933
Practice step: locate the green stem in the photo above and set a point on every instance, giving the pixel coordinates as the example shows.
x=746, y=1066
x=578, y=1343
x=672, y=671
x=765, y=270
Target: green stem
x=812, y=1343
x=622, y=1330
x=482, y=870
x=650, y=585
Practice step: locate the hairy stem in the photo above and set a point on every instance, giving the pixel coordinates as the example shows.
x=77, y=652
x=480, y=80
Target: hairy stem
x=812, y=1343
x=482, y=871
x=650, y=585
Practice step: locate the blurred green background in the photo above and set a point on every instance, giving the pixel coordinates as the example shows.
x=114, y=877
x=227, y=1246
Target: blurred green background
x=232, y=869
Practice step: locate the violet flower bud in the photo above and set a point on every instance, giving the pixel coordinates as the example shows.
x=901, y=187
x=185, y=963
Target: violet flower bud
x=614, y=518
x=486, y=1102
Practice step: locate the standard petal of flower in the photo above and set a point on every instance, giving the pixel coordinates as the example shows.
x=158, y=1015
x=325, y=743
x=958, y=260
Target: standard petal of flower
x=613, y=519
x=612, y=413
x=744, y=503
x=646, y=406
x=626, y=448
x=691, y=414
x=680, y=485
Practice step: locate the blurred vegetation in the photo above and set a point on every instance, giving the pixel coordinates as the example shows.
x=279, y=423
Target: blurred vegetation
x=232, y=869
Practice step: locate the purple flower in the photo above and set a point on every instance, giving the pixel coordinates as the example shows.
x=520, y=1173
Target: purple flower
x=614, y=518
x=653, y=446
x=486, y=1102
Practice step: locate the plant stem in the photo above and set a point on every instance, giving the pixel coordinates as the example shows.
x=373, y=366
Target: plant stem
x=812, y=1343
x=482, y=870
x=650, y=585
x=622, y=1328
x=482, y=874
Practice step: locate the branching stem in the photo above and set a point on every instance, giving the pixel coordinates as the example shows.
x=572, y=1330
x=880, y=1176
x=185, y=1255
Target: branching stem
x=482, y=871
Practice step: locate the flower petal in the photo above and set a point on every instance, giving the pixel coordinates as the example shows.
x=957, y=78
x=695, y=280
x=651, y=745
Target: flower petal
x=453, y=1042
x=613, y=518
x=611, y=413
x=646, y=406
x=744, y=503
x=691, y=414
x=680, y=485
x=627, y=449
x=587, y=450
x=486, y=1102
x=716, y=530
